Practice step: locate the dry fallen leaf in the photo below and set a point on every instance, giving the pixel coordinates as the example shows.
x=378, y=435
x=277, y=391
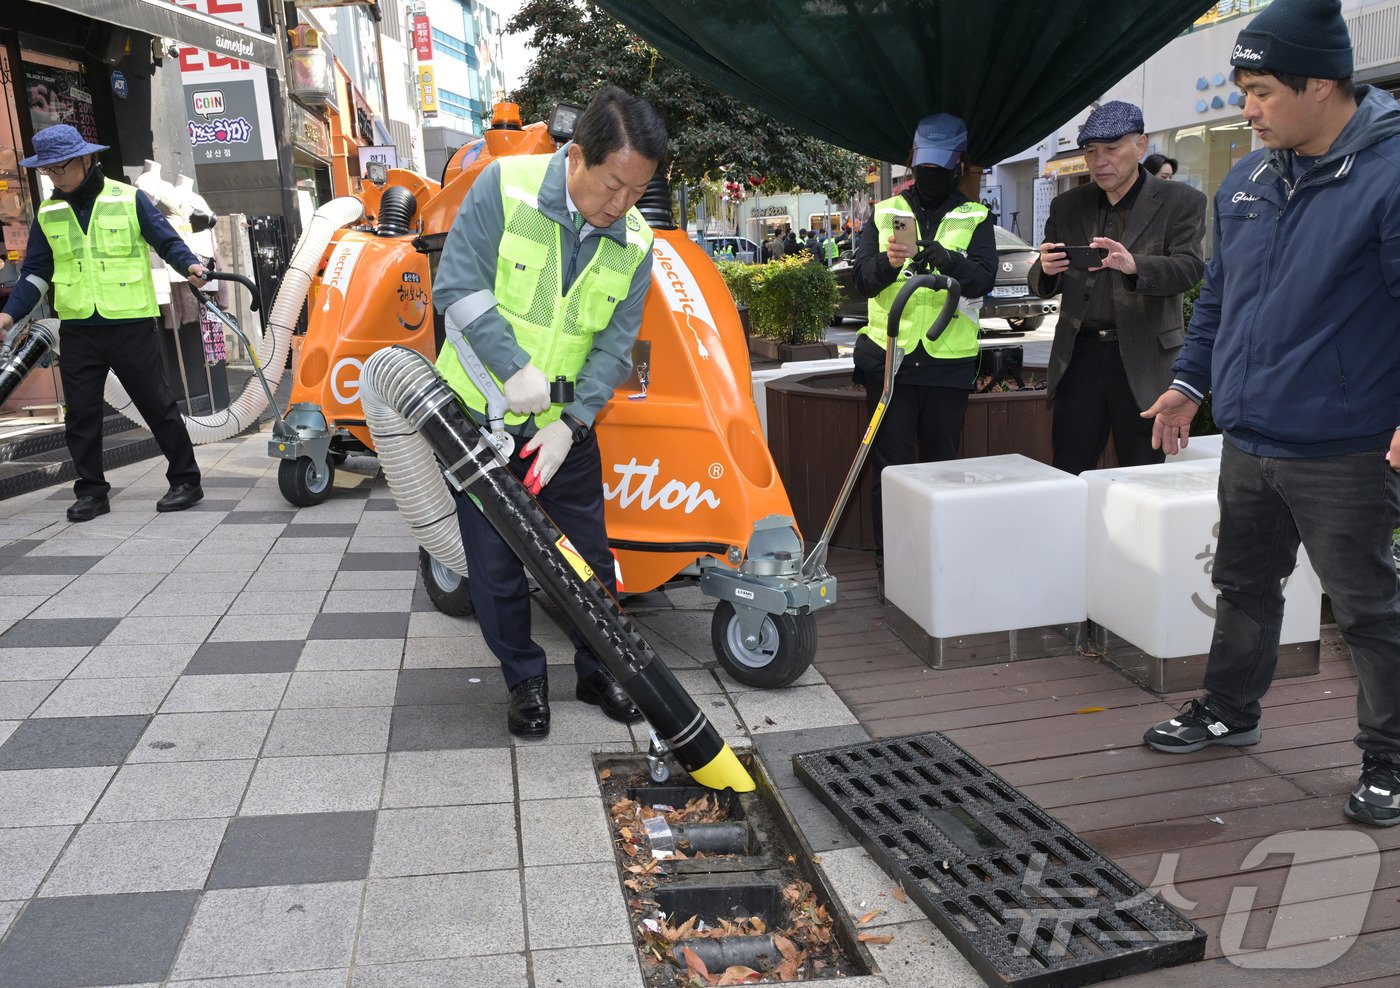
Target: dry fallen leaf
x=605, y=775
x=739, y=975
x=898, y=893
x=875, y=937
x=694, y=963
x=869, y=916
x=785, y=947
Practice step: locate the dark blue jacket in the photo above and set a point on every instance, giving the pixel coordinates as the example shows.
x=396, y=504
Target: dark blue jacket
x=1297, y=331
x=38, y=256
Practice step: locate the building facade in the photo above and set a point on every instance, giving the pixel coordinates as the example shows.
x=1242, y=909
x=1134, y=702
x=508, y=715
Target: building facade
x=469, y=74
x=1191, y=108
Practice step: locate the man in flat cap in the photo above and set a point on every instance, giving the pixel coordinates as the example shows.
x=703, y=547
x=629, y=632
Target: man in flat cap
x=1295, y=339
x=1120, y=321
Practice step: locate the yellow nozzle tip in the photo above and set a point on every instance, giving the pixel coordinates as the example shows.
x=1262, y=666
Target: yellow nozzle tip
x=724, y=771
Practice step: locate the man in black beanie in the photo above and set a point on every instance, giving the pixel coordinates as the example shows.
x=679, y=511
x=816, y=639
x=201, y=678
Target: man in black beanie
x=1294, y=336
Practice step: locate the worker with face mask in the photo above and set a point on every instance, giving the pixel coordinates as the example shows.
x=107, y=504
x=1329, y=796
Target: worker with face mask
x=923, y=422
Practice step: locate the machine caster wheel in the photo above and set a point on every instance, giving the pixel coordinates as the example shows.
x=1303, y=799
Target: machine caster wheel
x=786, y=645
x=339, y=456
x=449, y=590
x=659, y=771
x=297, y=481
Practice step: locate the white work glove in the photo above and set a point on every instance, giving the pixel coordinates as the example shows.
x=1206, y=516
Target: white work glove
x=553, y=443
x=527, y=391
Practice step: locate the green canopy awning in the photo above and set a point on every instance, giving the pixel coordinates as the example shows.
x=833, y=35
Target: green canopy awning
x=861, y=73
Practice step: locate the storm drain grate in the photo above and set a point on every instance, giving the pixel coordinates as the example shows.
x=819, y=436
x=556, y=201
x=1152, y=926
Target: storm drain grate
x=1026, y=901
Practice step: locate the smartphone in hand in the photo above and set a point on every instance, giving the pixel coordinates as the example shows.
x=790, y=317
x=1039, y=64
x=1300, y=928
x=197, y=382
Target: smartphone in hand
x=906, y=231
x=1084, y=258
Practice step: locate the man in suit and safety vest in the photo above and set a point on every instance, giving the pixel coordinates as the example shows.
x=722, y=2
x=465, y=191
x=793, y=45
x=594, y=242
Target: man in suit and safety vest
x=547, y=266
x=89, y=242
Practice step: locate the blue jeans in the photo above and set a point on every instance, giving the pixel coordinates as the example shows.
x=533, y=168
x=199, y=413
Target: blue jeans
x=1343, y=510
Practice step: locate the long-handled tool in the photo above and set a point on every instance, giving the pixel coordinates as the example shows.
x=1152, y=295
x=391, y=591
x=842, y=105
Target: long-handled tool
x=815, y=563
x=211, y=306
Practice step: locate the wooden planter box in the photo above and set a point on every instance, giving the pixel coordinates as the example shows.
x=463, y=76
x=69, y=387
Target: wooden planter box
x=785, y=352
x=816, y=423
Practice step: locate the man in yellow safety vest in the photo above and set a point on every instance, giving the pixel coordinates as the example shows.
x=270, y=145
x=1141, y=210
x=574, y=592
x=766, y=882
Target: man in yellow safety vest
x=89, y=242
x=547, y=266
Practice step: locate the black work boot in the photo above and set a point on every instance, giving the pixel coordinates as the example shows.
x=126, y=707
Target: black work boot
x=601, y=690
x=527, y=716
x=88, y=508
x=180, y=497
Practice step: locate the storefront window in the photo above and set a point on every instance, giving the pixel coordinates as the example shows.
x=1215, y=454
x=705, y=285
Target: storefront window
x=16, y=211
x=1205, y=154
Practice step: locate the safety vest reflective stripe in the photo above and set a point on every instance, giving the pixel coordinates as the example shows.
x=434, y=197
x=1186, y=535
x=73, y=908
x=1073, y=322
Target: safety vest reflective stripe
x=556, y=328
x=959, y=340
x=105, y=270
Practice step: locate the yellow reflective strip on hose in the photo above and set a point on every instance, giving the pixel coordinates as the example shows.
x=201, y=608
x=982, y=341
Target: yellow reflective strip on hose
x=724, y=771
x=575, y=561
x=874, y=424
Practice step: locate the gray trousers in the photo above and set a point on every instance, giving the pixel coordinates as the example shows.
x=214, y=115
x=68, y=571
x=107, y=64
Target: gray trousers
x=1343, y=509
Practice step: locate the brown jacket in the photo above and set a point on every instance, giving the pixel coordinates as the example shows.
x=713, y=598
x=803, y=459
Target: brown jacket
x=1164, y=236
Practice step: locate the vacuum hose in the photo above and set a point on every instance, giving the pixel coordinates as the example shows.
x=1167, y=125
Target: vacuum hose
x=401, y=393
x=655, y=203
x=278, y=326
x=396, y=208
x=42, y=337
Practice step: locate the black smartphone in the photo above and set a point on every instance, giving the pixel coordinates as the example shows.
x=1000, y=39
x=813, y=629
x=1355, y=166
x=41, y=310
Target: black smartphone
x=1084, y=258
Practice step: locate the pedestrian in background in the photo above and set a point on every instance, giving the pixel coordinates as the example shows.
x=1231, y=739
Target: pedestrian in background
x=1294, y=338
x=89, y=240
x=1121, y=321
x=1160, y=166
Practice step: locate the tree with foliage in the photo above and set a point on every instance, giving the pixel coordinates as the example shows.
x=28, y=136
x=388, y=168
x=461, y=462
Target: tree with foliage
x=579, y=49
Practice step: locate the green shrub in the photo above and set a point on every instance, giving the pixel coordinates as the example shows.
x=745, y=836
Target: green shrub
x=1203, y=424
x=738, y=276
x=791, y=300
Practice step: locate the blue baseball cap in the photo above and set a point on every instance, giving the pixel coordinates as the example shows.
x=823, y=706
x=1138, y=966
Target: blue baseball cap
x=940, y=140
x=1111, y=121
x=61, y=142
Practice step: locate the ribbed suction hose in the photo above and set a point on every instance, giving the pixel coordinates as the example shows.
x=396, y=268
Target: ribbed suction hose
x=278, y=326
x=41, y=338
x=413, y=474
x=396, y=208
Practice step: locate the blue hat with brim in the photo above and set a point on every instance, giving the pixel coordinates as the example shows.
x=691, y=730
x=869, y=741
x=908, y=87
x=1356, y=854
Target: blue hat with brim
x=940, y=140
x=61, y=142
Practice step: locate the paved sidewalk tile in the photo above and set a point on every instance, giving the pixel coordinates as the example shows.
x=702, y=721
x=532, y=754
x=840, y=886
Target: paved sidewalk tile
x=146, y=856
x=47, y=565
x=575, y=722
x=13, y=608
x=445, y=726
x=441, y=653
x=71, y=742
x=255, y=628
x=920, y=955
x=777, y=748
x=186, y=603
x=106, y=697
x=86, y=604
x=345, y=654
x=279, y=518
x=175, y=791
x=329, y=731
x=556, y=772
x=327, y=978
x=434, y=624
x=358, y=601
x=300, y=562
x=95, y=940
x=565, y=831
x=295, y=849
x=128, y=661
x=315, y=784
x=57, y=632
x=225, y=658
x=45, y=797
x=194, y=736
x=371, y=688
x=262, y=602
x=197, y=694
x=363, y=625
x=863, y=887
x=26, y=853
x=477, y=685
x=276, y=582
x=592, y=911
x=379, y=561
x=495, y=971
x=153, y=630
x=8, y=912
x=438, y=916
x=271, y=929
x=449, y=778
x=614, y=965
x=375, y=579
x=20, y=699
x=440, y=840
x=794, y=708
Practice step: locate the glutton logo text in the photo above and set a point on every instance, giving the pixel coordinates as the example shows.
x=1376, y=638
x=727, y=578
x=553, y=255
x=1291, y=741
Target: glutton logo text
x=1247, y=54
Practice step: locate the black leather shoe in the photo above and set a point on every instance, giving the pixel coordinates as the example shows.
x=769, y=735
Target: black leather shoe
x=528, y=713
x=180, y=497
x=88, y=508
x=602, y=690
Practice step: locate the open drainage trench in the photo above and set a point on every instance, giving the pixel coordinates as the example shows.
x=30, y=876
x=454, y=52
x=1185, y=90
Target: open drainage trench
x=717, y=885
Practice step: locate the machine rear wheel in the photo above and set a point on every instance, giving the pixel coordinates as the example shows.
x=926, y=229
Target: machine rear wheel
x=1028, y=324
x=449, y=590
x=786, y=645
x=297, y=481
